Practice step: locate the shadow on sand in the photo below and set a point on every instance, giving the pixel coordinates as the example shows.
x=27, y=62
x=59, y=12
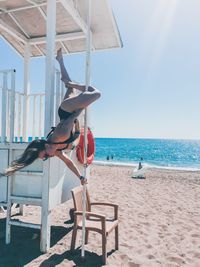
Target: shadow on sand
x=25, y=244
x=91, y=259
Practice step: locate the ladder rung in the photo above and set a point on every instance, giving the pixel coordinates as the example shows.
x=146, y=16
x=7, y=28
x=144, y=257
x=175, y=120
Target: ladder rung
x=24, y=224
x=26, y=200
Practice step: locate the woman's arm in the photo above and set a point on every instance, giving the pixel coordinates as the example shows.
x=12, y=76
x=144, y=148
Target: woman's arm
x=70, y=164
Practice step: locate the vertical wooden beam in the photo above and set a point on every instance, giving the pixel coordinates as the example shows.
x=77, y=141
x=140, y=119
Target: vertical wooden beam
x=45, y=212
x=50, y=69
x=49, y=104
x=12, y=107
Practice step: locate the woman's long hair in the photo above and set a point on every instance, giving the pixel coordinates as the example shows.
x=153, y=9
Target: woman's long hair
x=30, y=154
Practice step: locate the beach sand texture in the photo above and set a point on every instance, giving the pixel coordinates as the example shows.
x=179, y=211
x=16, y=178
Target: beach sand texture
x=159, y=224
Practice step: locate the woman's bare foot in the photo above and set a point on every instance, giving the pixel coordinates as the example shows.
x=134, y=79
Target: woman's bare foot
x=64, y=75
x=59, y=56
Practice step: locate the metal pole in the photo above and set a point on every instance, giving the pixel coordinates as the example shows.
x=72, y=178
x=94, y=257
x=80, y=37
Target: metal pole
x=87, y=82
x=58, y=93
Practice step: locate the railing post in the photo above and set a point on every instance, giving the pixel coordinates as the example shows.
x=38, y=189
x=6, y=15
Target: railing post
x=34, y=117
x=40, y=119
x=4, y=109
x=12, y=107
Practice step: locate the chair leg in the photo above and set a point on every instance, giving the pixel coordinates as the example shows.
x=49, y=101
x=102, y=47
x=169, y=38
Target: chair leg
x=116, y=238
x=73, y=242
x=104, y=252
x=86, y=236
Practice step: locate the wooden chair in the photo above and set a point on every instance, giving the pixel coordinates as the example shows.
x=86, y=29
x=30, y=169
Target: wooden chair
x=94, y=221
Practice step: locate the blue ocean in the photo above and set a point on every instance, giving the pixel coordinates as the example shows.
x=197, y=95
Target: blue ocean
x=154, y=152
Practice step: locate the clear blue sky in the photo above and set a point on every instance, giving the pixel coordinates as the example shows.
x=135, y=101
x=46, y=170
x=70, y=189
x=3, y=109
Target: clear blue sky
x=150, y=87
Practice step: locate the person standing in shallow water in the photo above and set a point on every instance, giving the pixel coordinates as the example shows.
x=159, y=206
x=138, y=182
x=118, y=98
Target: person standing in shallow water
x=65, y=132
x=140, y=164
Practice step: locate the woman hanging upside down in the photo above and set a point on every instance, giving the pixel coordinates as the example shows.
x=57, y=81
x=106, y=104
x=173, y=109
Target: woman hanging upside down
x=67, y=130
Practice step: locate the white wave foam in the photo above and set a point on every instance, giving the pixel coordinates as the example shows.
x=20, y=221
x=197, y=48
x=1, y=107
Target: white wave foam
x=147, y=166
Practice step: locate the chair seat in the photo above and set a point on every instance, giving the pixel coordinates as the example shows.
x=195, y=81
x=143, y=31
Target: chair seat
x=95, y=225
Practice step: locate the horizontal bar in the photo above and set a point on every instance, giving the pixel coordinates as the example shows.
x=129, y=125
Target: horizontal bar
x=59, y=37
x=22, y=8
x=37, y=94
x=8, y=70
x=27, y=200
x=24, y=224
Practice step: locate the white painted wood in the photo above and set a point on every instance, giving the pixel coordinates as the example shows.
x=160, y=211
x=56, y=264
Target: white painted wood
x=114, y=24
x=60, y=37
x=34, y=118
x=38, y=48
x=64, y=47
x=38, y=7
x=6, y=70
x=26, y=200
x=75, y=15
x=18, y=24
x=12, y=107
x=4, y=108
x=45, y=218
x=19, y=124
x=49, y=82
x=28, y=225
x=62, y=180
x=40, y=116
x=3, y=180
x=12, y=32
x=8, y=115
x=49, y=104
x=24, y=8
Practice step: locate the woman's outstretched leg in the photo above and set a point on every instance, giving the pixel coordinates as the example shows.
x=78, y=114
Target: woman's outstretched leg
x=82, y=100
x=64, y=75
x=72, y=103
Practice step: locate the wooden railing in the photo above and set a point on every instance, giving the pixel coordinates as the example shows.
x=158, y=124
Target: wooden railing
x=12, y=109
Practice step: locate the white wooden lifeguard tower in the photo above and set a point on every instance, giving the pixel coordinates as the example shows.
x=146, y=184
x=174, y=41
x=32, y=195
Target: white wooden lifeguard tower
x=37, y=28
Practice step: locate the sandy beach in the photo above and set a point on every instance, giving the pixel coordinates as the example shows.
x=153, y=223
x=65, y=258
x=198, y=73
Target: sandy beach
x=159, y=222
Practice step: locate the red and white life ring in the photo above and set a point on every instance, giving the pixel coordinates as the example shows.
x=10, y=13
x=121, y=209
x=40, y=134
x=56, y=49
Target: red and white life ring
x=90, y=147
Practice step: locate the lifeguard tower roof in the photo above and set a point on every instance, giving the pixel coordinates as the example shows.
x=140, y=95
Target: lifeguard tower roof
x=24, y=21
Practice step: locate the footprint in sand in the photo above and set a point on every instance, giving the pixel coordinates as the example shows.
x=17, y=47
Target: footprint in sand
x=196, y=255
x=132, y=264
x=195, y=235
x=150, y=257
x=176, y=260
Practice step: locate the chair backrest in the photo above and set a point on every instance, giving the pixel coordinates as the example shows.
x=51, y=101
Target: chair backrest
x=77, y=193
